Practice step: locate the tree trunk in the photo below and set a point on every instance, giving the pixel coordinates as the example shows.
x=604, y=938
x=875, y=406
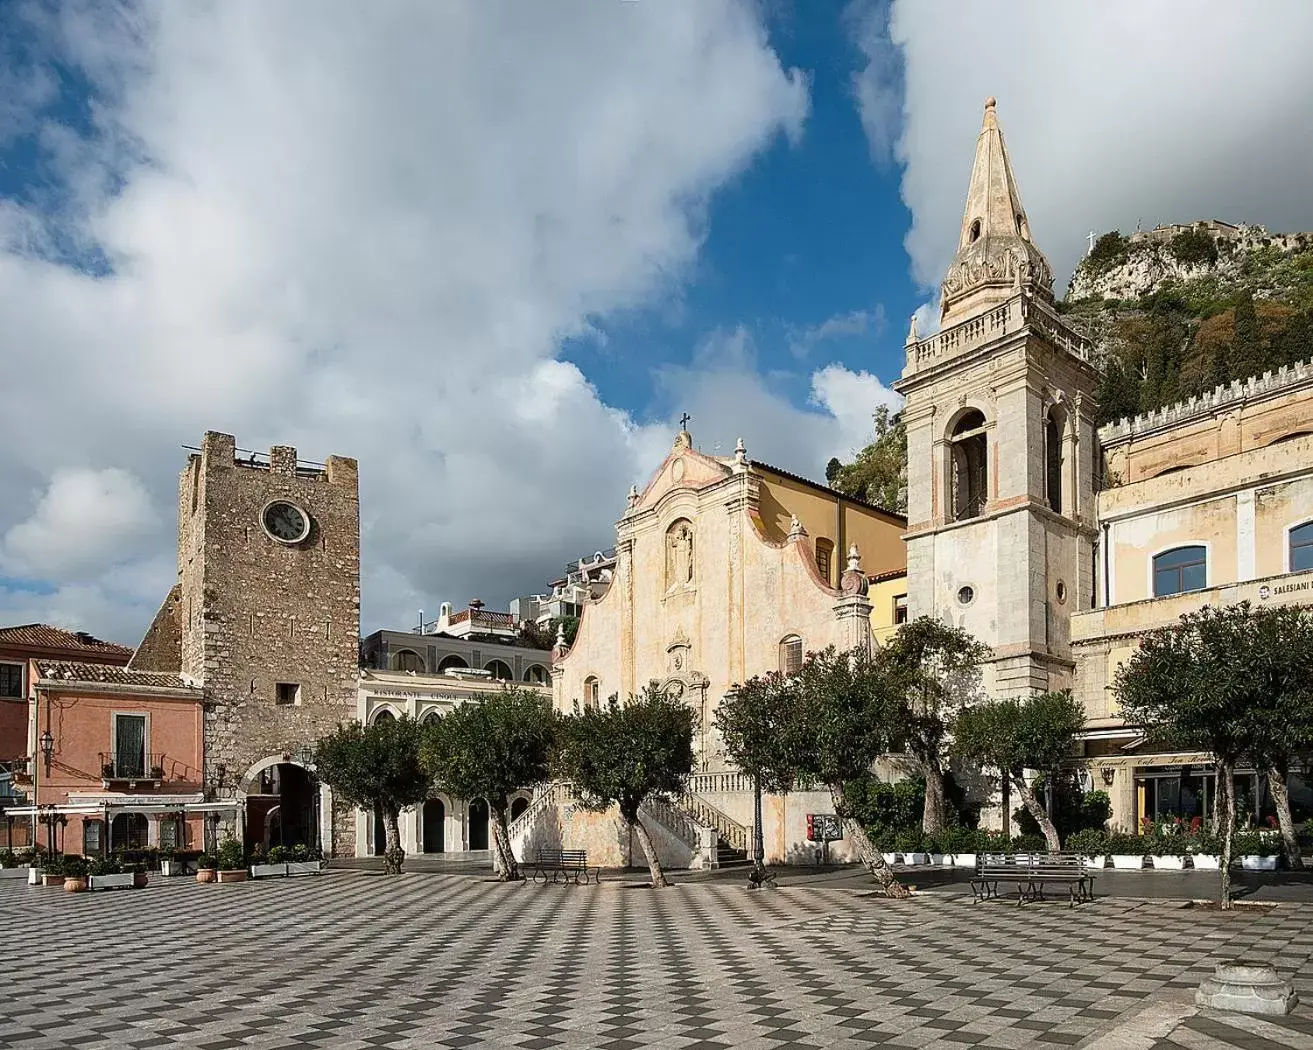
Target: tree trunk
x=934, y=814
x=508, y=870
x=1276, y=783
x=1226, y=806
x=874, y=861
x=1031, y=802
x=393, y=854
x=649, y=851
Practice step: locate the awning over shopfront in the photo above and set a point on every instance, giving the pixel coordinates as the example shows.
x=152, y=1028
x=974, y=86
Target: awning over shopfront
x=111, y=805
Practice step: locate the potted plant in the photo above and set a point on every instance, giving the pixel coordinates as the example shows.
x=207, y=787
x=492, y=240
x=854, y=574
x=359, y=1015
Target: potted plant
x=305, y=860
x=1205, y=849
x=1126, y=851
x=884, y=843
x=52, y=871
x=232, y=861
x=262, y=867
x=1256, y=850
x=107, y=770
x=207, y=867
x=157, y=772
x=75, y=874
x=170, y=865
x=963, y=844
x=936, y=853
x=1027, y=848
x=11, y=865
x=911, y=844
x=1167, y=846
x=1092, y=845
x=107, y=874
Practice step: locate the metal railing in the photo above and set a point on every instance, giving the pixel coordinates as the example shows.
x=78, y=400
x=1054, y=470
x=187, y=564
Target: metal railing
x=131, y=767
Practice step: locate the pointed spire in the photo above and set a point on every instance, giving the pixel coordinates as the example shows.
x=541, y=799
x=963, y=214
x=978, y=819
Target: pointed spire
x=994, y=250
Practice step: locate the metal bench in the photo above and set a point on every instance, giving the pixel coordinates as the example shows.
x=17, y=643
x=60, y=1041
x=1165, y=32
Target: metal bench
x=561, y=866
x=1030, y=873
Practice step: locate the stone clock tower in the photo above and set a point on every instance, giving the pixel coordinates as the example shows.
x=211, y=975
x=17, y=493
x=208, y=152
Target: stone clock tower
x=268, y=603
x=1001, y=445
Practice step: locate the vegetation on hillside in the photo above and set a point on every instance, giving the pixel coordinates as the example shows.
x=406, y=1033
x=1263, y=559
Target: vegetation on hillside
x=878, y=474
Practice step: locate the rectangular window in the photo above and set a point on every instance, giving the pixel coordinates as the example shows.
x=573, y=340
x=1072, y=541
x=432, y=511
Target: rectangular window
x=1301, y=548
x=91, y=838
x=287, y=693
x=130, y=745
x=791, y=655
x=824, y=557
x=169, y=838
x=11, y=681
x=900, y=608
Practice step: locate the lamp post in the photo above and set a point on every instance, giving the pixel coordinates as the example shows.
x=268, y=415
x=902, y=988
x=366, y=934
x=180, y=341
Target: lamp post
x=306, y=756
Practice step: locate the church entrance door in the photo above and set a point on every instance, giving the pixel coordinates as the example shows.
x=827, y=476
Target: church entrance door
x=435, y=826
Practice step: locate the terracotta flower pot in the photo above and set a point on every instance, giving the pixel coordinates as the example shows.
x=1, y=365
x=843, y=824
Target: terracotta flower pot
x=238, y=875
x=205, y=874
x=74, y=885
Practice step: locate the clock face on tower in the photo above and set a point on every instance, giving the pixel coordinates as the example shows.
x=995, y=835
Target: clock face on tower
x=285, y=522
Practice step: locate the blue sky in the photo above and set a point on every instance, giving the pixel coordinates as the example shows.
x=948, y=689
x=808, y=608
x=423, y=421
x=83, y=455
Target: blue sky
x=493, y=250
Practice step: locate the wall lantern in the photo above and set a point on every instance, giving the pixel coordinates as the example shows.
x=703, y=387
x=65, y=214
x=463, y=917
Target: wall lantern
x=47, y=747
x=1108, y=773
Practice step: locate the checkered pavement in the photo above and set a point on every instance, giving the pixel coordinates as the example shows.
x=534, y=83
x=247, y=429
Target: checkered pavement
x=351, y=960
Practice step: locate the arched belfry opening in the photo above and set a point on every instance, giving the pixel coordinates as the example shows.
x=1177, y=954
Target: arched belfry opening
x=1054, y=456
x=969, y=465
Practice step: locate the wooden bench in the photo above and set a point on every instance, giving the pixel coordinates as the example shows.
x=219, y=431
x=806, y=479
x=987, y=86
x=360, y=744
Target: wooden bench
x=561, y=866
x=1030, y=873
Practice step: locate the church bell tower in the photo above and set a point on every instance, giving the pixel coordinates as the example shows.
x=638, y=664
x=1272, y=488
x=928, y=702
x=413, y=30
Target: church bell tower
x=1001, y=445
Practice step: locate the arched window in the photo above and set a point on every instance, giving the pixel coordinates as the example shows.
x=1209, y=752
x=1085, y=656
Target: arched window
x=975, y=231
x=1053, y=458
x=824, y=557
x=384, y=715
x=431, y=718
x=1180, y=570
x=536, y=673
x=790, y=654
x=500, y=670
x=409, y=660
x=592, y=691
x=449, y=662
x=519, y=806
x=1301, y=547
x=969, y=450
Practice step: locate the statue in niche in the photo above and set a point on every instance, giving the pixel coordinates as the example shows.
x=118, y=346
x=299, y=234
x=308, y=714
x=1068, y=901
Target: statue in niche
x=679, y=555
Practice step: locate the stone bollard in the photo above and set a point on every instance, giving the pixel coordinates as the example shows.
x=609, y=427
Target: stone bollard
x=1248, y=989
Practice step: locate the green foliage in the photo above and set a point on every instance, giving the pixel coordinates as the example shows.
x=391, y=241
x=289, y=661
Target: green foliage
x=910, y=840
x=1072, y=810
x=878, y=474
x=375, y=766
x=106, y=866
x=8, y=859
x=207, y=861
x=1109, y=250
x=278, y=855
x=1124, y=845
x=491, y=747
x=1255, y=844
x=1193, y=247
x=543, y=636
x=934, y=670
x=1029, y=843
x=231, y=855
x=1014, y=735
x=885, y=810
x=1089, y=842
x=622, y=754
x=52, y=865
x=755, y=730
x=844, y=703
x=75, y=867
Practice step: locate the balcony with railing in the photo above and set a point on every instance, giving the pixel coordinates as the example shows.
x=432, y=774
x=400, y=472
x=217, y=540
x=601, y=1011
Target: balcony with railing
x=132, y=769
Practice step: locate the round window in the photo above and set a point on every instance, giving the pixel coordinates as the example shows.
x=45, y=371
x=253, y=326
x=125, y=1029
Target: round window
x=966, y=596
x=1062, y=592
x=285, y=522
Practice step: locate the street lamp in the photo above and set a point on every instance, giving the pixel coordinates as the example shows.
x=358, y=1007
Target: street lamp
x=47, y=747
x=305, y=754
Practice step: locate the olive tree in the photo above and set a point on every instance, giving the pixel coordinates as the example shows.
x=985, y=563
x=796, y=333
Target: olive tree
x=937, y=667
x=377, y=767
x=490, y=748
x=827, y=724
x=623, y=754
x=1037, y=732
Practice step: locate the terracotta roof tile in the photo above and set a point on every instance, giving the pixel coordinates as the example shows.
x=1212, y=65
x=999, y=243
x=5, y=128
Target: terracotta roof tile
x=45, y=636
x=69, y=671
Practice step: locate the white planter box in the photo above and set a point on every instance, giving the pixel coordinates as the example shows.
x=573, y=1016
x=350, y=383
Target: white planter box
x=1206, y=862
x=14, y=873
x=1096, y=861
x=1127, y=862
x=1252, y=863
x=304, y=867
x=914, y=858
x=267, y=871
x=890, y=858
x=939, y=859
x=122, y=881
x=169, y=868
x=963, y=860
x=1168, y=863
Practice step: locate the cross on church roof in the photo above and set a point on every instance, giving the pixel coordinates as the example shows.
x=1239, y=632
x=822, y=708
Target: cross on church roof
x=684, y=420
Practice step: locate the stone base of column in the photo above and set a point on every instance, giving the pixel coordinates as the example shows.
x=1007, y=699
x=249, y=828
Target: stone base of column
x=1246, y=989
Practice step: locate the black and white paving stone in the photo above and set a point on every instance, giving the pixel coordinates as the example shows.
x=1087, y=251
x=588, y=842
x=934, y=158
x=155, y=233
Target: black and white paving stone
x=356, y=960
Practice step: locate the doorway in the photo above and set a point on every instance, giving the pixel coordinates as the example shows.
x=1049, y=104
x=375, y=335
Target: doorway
x=435, y=826
x=478, y=812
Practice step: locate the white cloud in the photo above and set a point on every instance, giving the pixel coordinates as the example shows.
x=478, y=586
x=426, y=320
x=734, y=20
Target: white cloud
x=81, y=526
x=1115, y=112
x=365, y=233
x=803, y=340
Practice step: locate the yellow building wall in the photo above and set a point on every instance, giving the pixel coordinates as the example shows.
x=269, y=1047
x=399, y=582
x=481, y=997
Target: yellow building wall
x=882, y=596
x=1136, y=541
x=1276, y=510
